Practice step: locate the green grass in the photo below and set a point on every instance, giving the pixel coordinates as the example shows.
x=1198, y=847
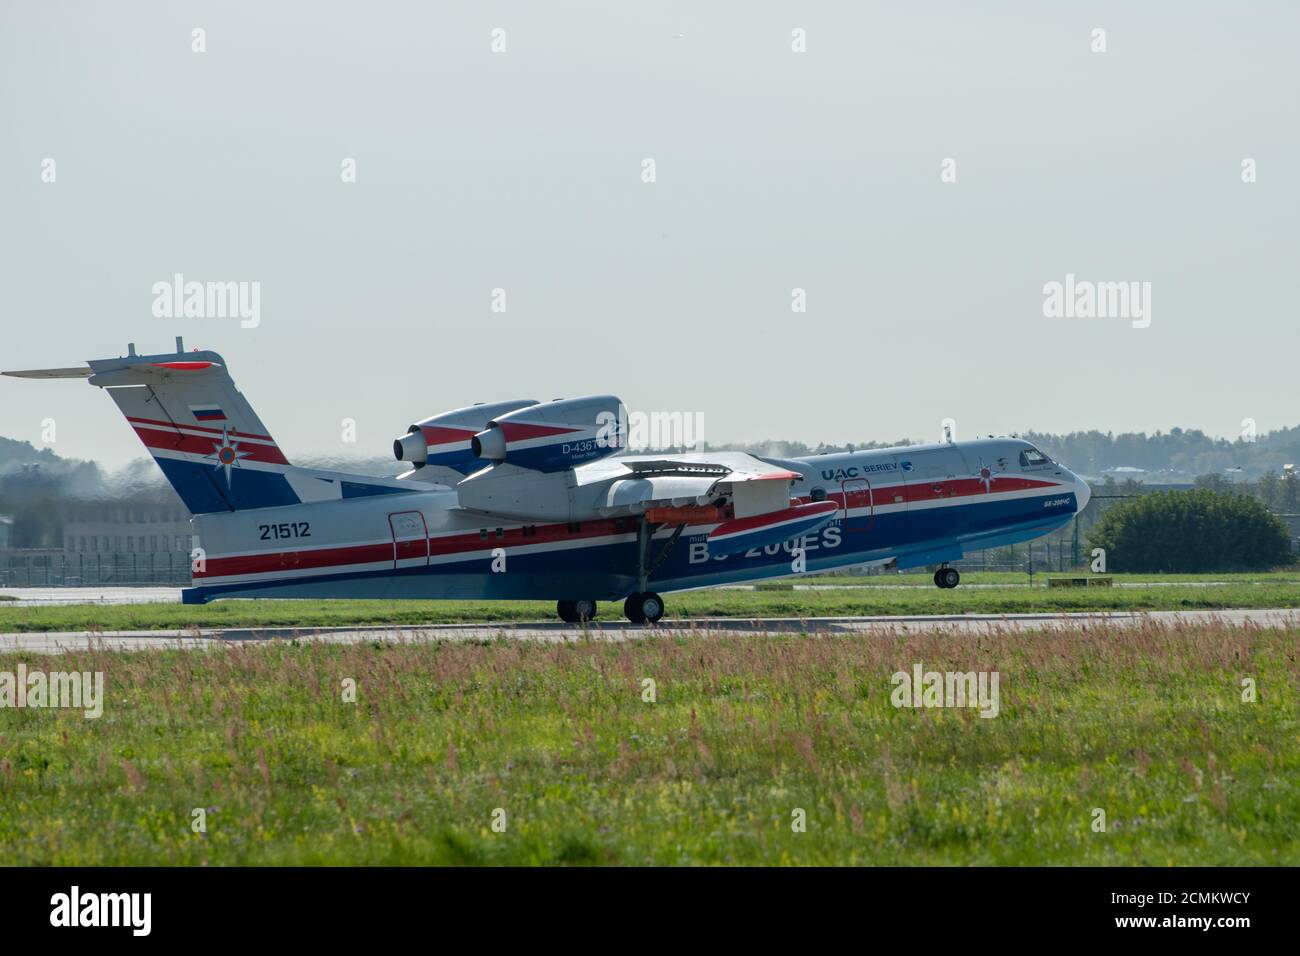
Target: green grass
x=1021, y=579
x=1266, y=593
x=1146, y=724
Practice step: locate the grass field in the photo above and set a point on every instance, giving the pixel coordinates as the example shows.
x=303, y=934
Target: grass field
x=1021, y=579
x=1146, y=724
x=875, y=595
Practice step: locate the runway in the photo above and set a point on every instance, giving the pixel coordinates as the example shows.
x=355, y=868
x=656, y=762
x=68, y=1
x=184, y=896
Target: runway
x=555, y=632
x=50, y=597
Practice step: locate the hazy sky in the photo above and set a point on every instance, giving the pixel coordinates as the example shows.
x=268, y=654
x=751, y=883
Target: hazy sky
x=775, y=170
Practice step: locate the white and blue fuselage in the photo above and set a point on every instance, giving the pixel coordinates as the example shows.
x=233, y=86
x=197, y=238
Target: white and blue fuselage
x=906, y=507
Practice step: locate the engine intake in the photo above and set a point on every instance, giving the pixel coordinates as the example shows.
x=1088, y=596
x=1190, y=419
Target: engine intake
x=445, y=440
x=411, y=447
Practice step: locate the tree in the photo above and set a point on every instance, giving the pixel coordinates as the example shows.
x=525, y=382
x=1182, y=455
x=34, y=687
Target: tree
x=1191, y=532
x=1213, y=481
x=1270, y=490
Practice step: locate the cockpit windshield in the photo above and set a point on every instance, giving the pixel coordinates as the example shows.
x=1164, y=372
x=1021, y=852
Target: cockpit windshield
x=1031, y=457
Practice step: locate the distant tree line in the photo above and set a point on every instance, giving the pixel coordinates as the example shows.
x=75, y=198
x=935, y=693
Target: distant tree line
x=1178, y=451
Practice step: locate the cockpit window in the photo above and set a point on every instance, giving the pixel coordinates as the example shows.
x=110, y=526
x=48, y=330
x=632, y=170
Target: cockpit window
x=1031, y=457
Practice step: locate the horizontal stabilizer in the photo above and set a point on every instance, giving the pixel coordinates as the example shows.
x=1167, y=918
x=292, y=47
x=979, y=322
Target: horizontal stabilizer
x=81, y=371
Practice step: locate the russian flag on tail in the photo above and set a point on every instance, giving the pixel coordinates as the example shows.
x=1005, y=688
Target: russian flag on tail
x=207, y=413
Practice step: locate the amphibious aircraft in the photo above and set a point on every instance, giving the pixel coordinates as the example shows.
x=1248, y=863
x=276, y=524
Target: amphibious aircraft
x=542, y=500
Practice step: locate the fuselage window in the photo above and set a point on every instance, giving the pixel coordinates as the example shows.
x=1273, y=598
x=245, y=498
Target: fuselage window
x=818, y=494
x=1031, y=457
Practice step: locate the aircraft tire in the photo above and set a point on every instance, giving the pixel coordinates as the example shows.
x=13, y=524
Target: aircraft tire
x=645, y=608
x=950, y=577
x=576, y=612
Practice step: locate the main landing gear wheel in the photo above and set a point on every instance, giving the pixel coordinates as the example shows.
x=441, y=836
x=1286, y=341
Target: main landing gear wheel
x=645, y=608
x=947, y=578
x=576, y=612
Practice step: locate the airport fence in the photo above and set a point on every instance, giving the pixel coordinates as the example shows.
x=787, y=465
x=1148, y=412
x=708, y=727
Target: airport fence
x=94, y=570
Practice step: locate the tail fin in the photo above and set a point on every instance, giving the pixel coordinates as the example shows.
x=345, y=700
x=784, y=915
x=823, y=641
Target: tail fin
x=201, y=431
x=207, y=439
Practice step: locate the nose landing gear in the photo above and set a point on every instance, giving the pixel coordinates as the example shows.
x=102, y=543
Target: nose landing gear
x=947, y=577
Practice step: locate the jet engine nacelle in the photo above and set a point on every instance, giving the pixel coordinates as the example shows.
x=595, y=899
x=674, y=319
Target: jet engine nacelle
x=444, y=440
x=555, y=436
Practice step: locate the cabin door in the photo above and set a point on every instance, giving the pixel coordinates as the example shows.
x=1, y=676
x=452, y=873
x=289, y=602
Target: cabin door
x=859, y=512
x=410, y=539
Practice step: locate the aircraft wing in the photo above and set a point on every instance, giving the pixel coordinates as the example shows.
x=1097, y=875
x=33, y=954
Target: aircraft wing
x=635, y=484
x=678, y=489
x=746, y=501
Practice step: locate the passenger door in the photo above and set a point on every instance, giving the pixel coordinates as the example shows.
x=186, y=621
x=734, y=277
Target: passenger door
x=410, y=539
x=857, y=498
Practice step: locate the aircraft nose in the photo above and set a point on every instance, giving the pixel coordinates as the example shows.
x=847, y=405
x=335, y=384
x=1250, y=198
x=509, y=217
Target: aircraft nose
x=1082, y=493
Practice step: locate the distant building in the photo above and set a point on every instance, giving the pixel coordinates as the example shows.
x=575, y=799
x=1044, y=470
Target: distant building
x=6, y=532
x=126, y=527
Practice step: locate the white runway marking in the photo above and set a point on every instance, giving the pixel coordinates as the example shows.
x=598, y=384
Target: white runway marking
x=59, y=642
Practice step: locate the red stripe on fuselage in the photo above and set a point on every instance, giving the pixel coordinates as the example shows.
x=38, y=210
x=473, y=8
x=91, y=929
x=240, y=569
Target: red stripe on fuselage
x=800, y=512
x=920, y=492
x=289, y=560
